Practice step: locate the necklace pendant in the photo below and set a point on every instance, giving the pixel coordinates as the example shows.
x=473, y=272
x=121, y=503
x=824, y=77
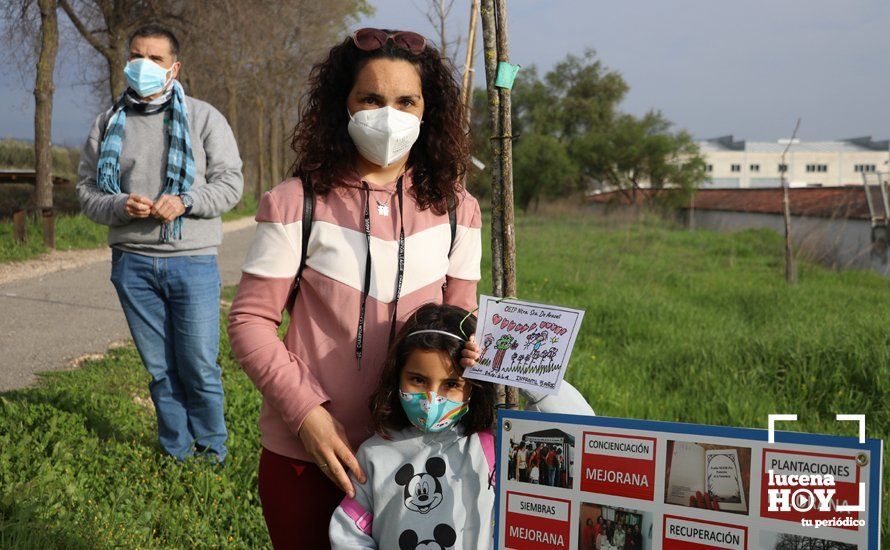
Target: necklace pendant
x=383, y=209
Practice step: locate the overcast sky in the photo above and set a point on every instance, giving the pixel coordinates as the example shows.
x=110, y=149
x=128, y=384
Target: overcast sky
x=713, y=67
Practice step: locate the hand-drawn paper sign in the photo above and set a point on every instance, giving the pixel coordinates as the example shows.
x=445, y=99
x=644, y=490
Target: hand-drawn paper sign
x=524, y=344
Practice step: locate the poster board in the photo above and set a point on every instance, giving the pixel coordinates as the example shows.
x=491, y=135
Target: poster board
x=644, y=483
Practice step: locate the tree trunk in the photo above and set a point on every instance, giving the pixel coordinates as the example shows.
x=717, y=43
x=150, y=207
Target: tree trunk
x=508, y=223
x=275, y=145
x=490, y=54
x=467, y=82
x=494, y=33
x=489, y=49
x=289, y=113
x=232, y=105
x=284, y=148
x=442, y=37
x=790, y=271
x=43, y=115
x=506, y=128
x=261, y=146
x=115, y=24
x=117, y=82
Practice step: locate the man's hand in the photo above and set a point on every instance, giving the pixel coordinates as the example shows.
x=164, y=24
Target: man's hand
x=138, y=206
x=167, y=208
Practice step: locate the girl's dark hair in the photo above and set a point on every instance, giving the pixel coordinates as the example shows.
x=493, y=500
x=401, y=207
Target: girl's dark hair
x=386, y=408
x=325, y=151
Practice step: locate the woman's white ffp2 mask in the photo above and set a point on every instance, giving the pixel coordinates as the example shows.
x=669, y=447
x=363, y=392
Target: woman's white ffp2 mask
x=383, y=135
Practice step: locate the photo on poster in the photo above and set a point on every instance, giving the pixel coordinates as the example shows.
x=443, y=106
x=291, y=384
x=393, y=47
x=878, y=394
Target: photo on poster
x=702, y=475
x=785, y=541
x=544, y=457
x=603, y=527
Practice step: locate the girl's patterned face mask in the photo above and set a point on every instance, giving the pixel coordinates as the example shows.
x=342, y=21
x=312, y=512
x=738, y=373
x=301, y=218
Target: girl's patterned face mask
x=430, y=412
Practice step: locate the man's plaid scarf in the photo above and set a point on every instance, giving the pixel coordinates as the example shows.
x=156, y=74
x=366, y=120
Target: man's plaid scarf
x=180, y=160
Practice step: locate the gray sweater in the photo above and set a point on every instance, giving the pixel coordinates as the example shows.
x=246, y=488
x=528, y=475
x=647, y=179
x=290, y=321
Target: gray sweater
x=216, y=189
x=429, y=490
x=421, y=487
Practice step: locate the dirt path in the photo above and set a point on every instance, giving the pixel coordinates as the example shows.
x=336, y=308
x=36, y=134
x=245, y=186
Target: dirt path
x=62, y=306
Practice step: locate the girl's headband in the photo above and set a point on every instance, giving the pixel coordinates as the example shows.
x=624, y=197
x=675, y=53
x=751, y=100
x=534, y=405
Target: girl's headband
x=436, y=331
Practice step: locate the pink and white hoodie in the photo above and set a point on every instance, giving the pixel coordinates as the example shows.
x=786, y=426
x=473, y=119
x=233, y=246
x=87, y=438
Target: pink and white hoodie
x=316, y=362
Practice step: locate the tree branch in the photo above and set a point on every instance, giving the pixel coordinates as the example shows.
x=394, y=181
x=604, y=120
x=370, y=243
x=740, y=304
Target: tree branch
x=85, y=32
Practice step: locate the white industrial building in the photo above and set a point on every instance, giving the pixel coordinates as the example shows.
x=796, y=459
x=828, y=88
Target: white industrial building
x=752, y=164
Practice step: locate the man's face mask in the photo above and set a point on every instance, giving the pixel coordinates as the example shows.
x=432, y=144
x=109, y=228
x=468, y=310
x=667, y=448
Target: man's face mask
x=430, y=412
x=146, y=77
x=383, y=135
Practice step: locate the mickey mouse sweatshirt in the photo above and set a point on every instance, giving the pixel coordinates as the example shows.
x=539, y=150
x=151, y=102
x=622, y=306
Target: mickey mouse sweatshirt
x=429, y=491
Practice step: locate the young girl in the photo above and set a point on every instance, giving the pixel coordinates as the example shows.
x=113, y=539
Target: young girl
x=428, y=467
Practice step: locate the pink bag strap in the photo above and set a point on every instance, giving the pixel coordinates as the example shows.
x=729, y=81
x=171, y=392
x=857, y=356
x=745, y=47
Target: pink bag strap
x=362, y=518
x=486, y=438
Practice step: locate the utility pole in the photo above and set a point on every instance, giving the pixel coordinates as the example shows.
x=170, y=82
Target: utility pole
x=503, y=244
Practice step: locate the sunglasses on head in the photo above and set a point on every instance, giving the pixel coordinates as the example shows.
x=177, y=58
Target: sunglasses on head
x=373, y=39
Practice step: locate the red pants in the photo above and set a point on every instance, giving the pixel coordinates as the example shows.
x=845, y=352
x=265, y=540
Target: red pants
x=298, y=501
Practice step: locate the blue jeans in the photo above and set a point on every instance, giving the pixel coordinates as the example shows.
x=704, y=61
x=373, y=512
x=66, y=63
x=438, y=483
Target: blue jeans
x=172, y=308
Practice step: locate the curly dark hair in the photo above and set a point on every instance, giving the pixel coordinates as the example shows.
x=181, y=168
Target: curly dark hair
x=325, y=151
x=386, y=409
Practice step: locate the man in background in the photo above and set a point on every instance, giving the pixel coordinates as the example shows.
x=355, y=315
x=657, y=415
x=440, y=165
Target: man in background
x=160, y=168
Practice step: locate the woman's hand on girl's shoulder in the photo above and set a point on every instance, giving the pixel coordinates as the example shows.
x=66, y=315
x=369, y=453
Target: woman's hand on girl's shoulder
x=325, y=440
x=470, y=353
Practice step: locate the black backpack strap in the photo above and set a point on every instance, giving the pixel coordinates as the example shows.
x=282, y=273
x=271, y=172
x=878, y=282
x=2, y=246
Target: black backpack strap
x=452, y=219
x=308, y=209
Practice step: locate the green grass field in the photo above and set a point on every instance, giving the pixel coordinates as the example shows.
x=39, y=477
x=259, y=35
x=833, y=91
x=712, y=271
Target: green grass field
x=78, y=232
x=72, y=232
x=688, y=326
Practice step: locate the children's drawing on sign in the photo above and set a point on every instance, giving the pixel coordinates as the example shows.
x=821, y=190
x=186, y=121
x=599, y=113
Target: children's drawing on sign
x=505, y=342
x=487, y=341
x=524, y=344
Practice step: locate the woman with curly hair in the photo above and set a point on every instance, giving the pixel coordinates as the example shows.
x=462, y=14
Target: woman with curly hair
x=381, y=140
x=382, y=149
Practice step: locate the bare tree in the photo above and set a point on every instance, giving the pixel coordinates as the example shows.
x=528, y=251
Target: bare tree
x=106, y=25
x=43, y=116
x=503, y=244
x=790, y=269
x=249, y=58
x=34, y=24
x=257, y=81
x=469, y=71
x=437, y=13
